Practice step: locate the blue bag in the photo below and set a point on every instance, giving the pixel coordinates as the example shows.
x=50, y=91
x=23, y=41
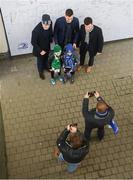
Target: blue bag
x=114, y=126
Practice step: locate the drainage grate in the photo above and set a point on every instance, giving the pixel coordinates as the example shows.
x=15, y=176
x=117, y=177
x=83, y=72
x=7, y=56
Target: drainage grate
x=123, y=85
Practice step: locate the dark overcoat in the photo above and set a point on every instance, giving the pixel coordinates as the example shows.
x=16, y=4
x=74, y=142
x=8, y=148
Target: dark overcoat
x=41, y=39
x=60, y=30
x=95, y=40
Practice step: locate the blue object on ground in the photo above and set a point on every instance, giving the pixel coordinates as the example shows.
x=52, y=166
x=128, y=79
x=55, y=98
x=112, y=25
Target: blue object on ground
x=114, y=126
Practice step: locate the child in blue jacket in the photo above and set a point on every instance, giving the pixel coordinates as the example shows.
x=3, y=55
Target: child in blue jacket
x=70, y=62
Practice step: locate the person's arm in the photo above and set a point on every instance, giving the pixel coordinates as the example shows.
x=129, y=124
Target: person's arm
x=79, y=36
x=34, y=42
x=77, y=57
x=63, y=147
x=85, y=105
x=56, y=26
x=100, y=40
x=51, y=32
x=63, y=136
x=85, y=148
x=111, y=112
x=65, y=132
x=76, y=30
x=50, y=58
x=99, y=98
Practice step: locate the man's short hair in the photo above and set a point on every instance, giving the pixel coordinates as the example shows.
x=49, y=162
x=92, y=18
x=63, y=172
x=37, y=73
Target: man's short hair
x=101, y=107
x=88, y=20
x=69, y=12
x=76, y=140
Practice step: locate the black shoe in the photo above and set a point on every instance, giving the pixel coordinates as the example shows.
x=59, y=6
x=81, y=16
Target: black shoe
x=42, y=76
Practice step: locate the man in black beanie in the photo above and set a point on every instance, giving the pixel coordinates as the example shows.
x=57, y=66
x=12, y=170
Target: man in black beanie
x=41, y=39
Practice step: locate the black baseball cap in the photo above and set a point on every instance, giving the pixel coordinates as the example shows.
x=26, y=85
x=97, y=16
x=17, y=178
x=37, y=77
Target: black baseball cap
x=46, y=19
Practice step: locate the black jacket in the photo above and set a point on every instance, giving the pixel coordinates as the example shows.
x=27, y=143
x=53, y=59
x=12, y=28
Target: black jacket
x=69, y=154
x=95, y=40
x=92, y=119
x=60, y=30
x=41, y=39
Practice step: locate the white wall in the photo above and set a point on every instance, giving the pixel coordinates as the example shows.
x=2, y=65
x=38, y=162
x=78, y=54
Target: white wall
x=115, y=17
x=3, y=43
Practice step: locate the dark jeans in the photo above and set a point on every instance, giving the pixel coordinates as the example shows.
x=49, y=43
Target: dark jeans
x=83, y=51
x=67, y=70
x=42, y=63
x=68, y=74
x=100, y=132
x=53, y=73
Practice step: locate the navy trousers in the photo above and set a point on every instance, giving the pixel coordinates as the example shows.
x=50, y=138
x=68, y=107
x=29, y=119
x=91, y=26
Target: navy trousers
x=83, y=50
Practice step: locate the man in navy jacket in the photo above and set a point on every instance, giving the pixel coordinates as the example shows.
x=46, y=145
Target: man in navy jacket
x=66, y=29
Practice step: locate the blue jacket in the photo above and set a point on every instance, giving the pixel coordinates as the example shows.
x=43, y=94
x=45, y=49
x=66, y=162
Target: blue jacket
x=60, y=30
x=70, y=62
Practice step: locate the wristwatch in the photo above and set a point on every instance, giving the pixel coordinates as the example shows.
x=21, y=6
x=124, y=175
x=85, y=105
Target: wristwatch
x=99, y=98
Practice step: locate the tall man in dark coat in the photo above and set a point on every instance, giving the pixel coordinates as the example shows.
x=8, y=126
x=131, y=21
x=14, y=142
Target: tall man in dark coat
x=90, y=39
x=97, y=117
x=66, y=29
x=41, y=39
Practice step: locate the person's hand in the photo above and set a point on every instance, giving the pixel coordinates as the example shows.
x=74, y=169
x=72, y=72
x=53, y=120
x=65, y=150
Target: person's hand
x=68, y=127
x=96, y=94
x=86, y=95
x=56, y=152
x=42, y=52
x=74, y=45
x=72, y=129
x=98, y=53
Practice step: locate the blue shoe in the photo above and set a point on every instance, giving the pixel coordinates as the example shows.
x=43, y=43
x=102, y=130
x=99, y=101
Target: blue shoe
x=52, y=81
x=60, y=79
x=72, y=167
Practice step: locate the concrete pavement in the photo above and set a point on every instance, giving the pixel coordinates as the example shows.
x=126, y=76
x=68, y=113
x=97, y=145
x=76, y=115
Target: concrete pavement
x=35, y=112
